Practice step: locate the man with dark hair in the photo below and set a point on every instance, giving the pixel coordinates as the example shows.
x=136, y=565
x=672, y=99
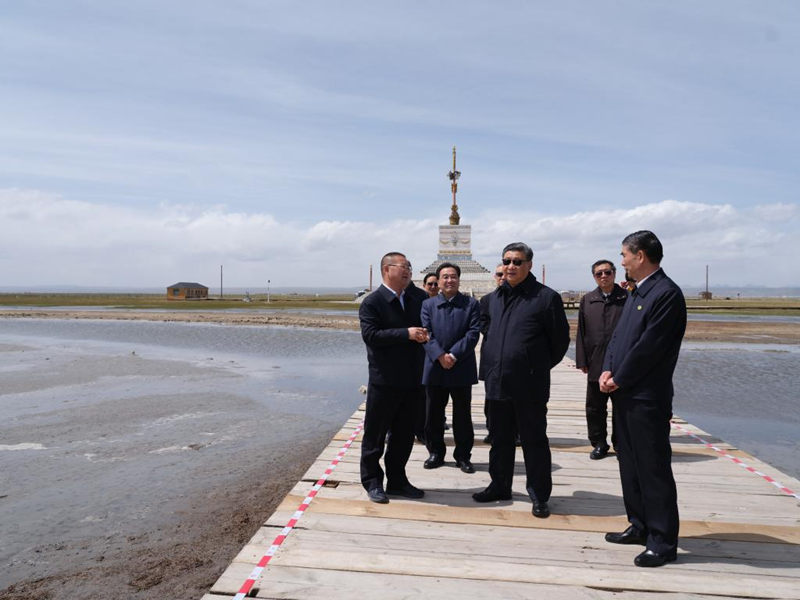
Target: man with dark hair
x=598, y=313
x=637, y=372
x=430, y=283
x=392, y=331
x=453, y=322
x=528, y=335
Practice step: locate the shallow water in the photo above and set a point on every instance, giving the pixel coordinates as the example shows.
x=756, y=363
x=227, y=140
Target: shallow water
x=108, y=428
x=745, y=394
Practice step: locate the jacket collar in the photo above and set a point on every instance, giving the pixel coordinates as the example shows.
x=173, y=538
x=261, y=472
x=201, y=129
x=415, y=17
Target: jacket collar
x=650, y=282
x=441, y=301
x=596, y=295
x=527, y=286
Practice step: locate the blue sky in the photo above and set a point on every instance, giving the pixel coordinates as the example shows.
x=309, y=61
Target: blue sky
x=144, y=143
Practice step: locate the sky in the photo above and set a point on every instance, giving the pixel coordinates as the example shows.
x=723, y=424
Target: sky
x=145, y=143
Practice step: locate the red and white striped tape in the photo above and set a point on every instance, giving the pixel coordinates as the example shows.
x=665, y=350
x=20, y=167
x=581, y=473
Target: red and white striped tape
x=279, y=539
x=739, y=462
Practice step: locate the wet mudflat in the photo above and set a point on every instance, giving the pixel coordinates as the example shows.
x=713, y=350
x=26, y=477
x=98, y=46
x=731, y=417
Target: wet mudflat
x=137, y=458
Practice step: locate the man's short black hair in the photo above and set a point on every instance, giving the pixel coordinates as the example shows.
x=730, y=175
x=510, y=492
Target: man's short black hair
x=447, y=265
x=389, y=257
x=647, y=242
x=519, y=247
x=428, y=276
x=597, y=263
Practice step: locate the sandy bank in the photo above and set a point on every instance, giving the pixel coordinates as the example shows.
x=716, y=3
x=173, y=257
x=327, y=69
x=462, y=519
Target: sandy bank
x=697, y=331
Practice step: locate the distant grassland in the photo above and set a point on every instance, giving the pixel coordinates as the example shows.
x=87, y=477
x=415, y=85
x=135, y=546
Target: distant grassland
x=743, y=306
x=746, y=306
x=159, y=301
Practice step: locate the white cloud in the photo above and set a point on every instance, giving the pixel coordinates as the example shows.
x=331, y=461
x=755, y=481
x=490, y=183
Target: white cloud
x=49, y=240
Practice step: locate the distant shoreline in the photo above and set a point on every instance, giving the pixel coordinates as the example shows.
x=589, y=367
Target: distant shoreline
x=697, y=330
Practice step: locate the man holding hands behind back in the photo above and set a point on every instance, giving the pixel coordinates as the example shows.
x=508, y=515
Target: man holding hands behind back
x=453, y=322
x=637, y=372
x=392, y=330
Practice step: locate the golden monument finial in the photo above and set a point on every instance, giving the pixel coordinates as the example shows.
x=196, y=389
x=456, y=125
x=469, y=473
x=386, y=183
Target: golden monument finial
x=454, y=175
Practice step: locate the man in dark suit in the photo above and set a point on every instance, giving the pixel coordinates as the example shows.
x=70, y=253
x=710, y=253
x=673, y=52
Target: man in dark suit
x=392, y=330
x=598, y=314
x=637, y=372
x=453, y=324
x=528, y=335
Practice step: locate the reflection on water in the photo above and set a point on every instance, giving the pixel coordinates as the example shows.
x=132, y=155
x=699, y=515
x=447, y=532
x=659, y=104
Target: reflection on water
x=318, y=365
x=745, y=394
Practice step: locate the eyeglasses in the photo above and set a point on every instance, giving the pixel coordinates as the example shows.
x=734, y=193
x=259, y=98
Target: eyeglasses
x=517, y=261
x=406, y=266
x=601, y=272
x=499, y=274
x=432, y=284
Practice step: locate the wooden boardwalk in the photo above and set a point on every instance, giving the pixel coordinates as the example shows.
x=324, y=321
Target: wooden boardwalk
x=740, y=534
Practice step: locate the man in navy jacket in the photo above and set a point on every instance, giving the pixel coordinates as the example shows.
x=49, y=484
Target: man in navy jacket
x=637, y=371
x=528, y=335
x=392, y=330
x=453, y=324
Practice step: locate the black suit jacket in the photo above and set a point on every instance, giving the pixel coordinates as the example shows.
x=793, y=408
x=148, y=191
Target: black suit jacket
x=393, y=359
x=597, y=318
x=528, y=335
x=645, y=345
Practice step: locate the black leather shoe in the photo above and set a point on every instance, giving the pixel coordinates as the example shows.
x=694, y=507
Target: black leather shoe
x=599, y=452
x=378, y=495
x=434, y=461
x=648, y=558
x=407, y=491
x=630, y=536
x=465, y=466
x=490, y=495
x=540, y=509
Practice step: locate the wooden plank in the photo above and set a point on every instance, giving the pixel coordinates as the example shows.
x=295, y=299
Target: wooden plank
x=740, y=536
x=517, y=514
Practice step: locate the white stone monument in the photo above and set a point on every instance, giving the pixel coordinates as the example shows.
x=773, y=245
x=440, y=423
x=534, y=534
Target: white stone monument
x=455, y=246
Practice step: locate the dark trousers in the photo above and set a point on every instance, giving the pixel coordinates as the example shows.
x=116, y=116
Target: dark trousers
x=463, y=432
x=419, y=419
x=597, y=414
x=528, y=416
x=388, y=408
x=645, y=468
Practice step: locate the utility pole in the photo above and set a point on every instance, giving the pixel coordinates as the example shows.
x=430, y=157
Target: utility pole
x=370, y=278
x=268, y=282
x=220, y=282
x=544, y=271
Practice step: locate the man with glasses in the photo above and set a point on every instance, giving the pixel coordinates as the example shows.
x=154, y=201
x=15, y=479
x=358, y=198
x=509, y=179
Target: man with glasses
x=453, y=322
x=392, y=331
x=598, y=314
x=528, y=335
x=431, y=284
x=637, y=371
